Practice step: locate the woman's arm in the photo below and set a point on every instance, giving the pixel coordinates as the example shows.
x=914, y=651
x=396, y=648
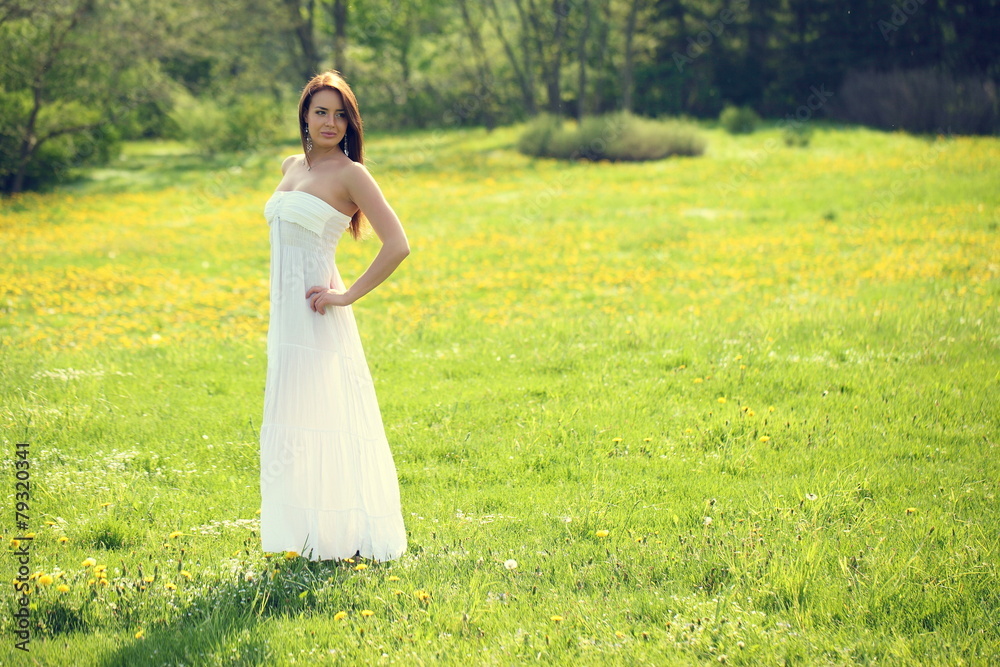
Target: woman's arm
x=364, y=192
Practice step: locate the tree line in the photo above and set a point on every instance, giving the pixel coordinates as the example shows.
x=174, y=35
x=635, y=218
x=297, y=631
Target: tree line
x=79, y=75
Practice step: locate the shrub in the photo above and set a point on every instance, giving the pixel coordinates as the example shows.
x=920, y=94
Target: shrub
x=739, y=120
x=797, y=134
x=617, y=137
x=925, y=100
x=243, y=122
x=537, y=138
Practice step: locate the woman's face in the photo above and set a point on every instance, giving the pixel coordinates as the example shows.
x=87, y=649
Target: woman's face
x=326, y=118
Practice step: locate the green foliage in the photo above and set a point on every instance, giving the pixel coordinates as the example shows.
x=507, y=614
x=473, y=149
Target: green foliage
x=57, y=158
x=739, y=120
x=537, y=138
x=618, y=137
x=242, y=122
x=797, y=134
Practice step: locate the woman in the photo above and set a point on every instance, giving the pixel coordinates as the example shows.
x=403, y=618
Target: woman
x=328, y=482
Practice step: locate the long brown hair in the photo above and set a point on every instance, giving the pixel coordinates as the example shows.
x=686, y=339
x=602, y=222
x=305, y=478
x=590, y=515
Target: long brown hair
x=332, y=80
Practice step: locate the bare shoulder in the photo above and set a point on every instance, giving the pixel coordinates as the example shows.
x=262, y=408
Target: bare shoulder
x=289, y=160
x=358, y=174
x=357, y=169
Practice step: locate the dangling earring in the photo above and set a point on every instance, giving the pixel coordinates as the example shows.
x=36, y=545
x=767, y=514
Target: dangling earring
x=345, y=148
x=309, y=142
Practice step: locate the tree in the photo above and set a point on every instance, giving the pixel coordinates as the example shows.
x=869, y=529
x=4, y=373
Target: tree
x=546, y=30
x=73, y=69
x=520, y=58
x=582, y=60
x=628, y=69
x=482, y=64
x=338, y=13
x=303, y=19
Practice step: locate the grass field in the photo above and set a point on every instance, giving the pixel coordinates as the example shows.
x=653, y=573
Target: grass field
x=740, y=409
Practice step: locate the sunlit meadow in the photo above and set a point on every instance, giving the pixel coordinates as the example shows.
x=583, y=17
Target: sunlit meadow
x=740, y=408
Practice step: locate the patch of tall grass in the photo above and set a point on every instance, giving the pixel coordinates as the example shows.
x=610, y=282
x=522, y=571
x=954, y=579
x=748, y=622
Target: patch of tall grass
x=617, y=137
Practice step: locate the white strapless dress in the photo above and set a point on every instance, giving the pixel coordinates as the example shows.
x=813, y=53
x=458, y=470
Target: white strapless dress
x=327, y=478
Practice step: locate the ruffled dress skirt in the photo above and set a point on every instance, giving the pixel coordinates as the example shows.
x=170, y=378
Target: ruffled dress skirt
x=328, y=482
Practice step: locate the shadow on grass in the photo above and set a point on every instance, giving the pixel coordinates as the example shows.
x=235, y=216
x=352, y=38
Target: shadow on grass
x=144, y=168
x=218, y=626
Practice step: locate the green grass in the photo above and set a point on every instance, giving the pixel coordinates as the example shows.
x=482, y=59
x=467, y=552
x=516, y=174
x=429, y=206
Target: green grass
x=770, y=373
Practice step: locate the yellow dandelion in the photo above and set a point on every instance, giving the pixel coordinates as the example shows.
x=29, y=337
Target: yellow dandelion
x=764, y=438
x=340, y=615
x=63, y=540
x=911, y=510
x=148, y=578
x=367, y=612
x=105, y=504
x=698, y=380
x=556, y=619
x=393, y=578
x=616, y=440
x=620, y=634
x=141, y=634
x=50, y=523
x=770, y=408
x=289, y=555
x=185, y=574
x=45, y=580
x=174, y=535
x=348, y=560
x=423, y=596
x=15, y=543
x=90, y=562
x=397, y=592
x=62, y=588
x=170, y=586
x=721, y=399
x=360, y=566
x=603, y=533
